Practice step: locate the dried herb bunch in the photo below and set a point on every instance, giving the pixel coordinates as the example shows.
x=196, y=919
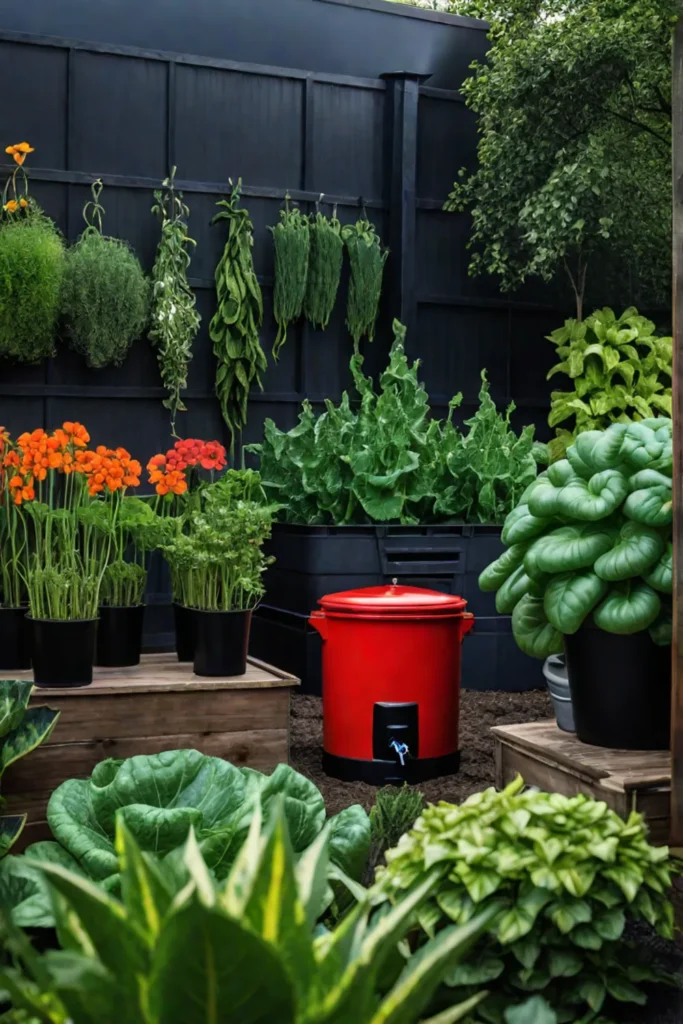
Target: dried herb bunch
x=235, y=326
x=324, y=269
x=367, y=259
x=292, y=240
x=175, y=320
x=31, y=269
x=105, y=299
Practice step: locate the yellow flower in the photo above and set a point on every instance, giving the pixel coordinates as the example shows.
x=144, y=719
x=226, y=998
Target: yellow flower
x=24, y=147
x=23, y=203
x=12, y=206
x=19, y=151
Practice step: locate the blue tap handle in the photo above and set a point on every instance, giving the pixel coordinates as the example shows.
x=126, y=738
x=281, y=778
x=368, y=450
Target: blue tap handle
x=401, y=749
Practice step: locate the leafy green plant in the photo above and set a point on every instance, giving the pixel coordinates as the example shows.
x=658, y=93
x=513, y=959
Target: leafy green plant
x=159, y=797
x=393, y=813
x=105, y=295
x=175, y=320
x=22, y=729
x=366, y=259
x=591, y=536
x=577, y=182
x=292, y=239
x=31, y=272
x=390, y=461
x=216, y=556
x=324, y=269
x=234, y=329
x=621, y=371
x=125, y=577
x=242, y=952
x=570, y=874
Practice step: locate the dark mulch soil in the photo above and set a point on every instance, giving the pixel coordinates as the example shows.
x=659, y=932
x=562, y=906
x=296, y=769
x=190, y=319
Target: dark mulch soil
x=479, y=711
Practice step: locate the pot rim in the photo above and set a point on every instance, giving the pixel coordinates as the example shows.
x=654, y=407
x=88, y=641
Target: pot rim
x=117, y=608
x=13, y=608
x=64, y=622
x=207, y=611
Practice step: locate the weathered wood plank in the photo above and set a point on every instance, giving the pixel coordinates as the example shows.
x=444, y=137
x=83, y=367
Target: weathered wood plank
x=164, y=673
x=106, y=717
x=257, y=748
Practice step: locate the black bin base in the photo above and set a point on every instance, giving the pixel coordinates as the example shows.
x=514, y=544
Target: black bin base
x=390, y=773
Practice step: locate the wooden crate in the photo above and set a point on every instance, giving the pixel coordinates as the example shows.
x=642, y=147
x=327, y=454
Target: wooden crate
x=159, y=705
x=557, y=762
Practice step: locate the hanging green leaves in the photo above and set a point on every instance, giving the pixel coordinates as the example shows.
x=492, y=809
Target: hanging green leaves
x=105, y=297
x=234, y=328
x=175, y=320
x=324, y=269
x=367, y=259
x=292, y=246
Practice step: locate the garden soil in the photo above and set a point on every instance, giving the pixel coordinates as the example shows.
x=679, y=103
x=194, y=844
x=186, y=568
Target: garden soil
x=479, y=711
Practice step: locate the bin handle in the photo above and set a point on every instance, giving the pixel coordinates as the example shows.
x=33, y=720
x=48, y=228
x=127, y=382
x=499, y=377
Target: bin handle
x=319, y=622
x=467, y=623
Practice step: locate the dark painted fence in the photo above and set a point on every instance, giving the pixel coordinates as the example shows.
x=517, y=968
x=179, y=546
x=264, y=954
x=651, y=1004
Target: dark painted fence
x=394, y=143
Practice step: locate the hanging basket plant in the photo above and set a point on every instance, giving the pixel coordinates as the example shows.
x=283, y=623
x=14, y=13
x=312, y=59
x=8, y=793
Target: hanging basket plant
x=105, y=299
x=292, y=240
x=324, y=269
x=234, y=329
x=31, y=269
x=367, y=259
x=175, y=320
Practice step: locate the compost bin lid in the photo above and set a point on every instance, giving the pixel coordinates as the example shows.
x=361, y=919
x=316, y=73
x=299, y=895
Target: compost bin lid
x=393, y=599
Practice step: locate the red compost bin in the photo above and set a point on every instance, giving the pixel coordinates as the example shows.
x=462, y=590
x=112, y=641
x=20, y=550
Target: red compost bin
x=391, y=682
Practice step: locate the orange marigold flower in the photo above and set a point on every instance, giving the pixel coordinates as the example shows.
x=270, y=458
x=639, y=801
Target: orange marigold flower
x=24, y=147
x=12, y=206
x=23, y=203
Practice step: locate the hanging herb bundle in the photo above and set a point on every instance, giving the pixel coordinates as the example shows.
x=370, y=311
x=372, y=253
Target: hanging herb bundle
x=31, y=269
x=235, y=326
x=367, y=259
x=175, y=320
x=105, y=299
x=292, y=240
x=324, y=269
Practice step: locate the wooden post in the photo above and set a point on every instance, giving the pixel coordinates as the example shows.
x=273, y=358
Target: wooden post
x=403, y=94
x=677, y=632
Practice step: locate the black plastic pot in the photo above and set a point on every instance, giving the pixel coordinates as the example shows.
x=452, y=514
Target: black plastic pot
x=15, y=640
x=185, y=632
x=222, y=643
x=621, y=689
x=63, y=651
x=119, y=636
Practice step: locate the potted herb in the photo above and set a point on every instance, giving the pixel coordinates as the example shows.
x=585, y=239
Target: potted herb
x=217, y=563
x=377, y=488
x=15, y=647
x=179, y=478
x=588, y=569
x=122, y=595
x=71, y=495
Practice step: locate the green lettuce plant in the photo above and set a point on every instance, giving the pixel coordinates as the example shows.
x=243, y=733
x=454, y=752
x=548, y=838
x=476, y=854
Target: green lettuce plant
x=243, y=952
x=159, y=797
x=620, y=369
x=570, y=875
x=390, y=461
x=22, y=729
x=591, y=537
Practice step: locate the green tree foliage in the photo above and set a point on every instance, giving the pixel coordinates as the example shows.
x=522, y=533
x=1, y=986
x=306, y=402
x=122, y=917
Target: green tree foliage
x=575, y=144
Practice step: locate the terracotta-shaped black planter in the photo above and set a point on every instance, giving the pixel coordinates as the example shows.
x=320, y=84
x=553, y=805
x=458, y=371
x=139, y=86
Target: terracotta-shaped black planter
x=119, y=636
x=15, y=640
x=620, y=688
x=222, y=643
x=185, y=631
x=63, y=651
